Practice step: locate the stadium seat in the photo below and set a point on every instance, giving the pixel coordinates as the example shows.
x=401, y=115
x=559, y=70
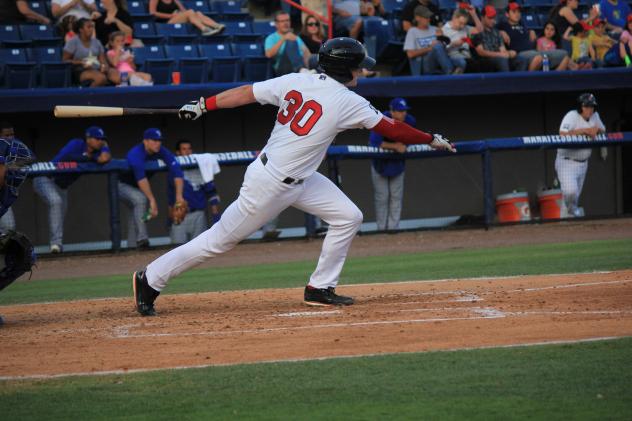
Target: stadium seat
x=226, y=69
x=55, y=75
x=198, y=5
x=9, y=33
x=257, y=68
x=215, y=39
x=20, y=75
x=248, y=48
x=230, y=6
x=143, y=29
x=32, y=32
x=46, y=54
x=148, y=52
x=235, y=28
x=40, y=7
x=394, y=5
x=160, y=70
x=377, y=33
x=193, y=70
x=137, y=7
x=236, y=17
x=540, y=3
x=177, y=33
x=265, y=27
x=212, y=51
x=13, y=55
x=177, y=52
x=447, y=4
x=531, y=21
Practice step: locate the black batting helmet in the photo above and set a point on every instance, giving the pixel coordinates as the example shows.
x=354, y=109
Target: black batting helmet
x=586, y=100
x=338, y=56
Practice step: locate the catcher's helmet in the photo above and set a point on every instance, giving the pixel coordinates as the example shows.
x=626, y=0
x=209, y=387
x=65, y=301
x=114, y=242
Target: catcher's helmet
x=338, y=56
x=586, y=100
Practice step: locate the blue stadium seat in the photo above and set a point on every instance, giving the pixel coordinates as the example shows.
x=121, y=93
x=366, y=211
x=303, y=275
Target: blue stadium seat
x=40, y=7
x=241, y=27
x=538, y=3
x=248, y=48
x=392, y=5
x=447, y=4
x=212, y=51
x=148, y=52
x=226, y=69
x=531, y=21
x=13, y=55
x=177, y=52
x=20, y=75
x=46, y=54
x=236, y=17
x=230, y=6
x=193, y=70
x=265, y=27
x=177, y=33
x=9, y=33
x=142, y=29
x=32, y=32
x=160, y=70
x=55, y=75
x=257, y=68
x=137, y=7
x=377, y=33
x=198, y=5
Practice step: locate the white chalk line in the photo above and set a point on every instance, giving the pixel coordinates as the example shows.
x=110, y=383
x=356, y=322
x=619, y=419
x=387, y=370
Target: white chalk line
x=298, y=360
x=307, y=313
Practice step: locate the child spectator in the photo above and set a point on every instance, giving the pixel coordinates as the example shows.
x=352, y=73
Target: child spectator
x=550, y=43
x=601, y=42
x=123, y=61
x=621, y=53
x=66, y=27
x=583, y=52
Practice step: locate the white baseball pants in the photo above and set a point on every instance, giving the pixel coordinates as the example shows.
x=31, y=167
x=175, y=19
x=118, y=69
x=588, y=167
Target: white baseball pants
x=262, y=197
x=571, y=175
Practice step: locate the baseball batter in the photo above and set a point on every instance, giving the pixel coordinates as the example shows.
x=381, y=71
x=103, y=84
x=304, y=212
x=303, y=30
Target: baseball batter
x=571, y=165
x=313, y=109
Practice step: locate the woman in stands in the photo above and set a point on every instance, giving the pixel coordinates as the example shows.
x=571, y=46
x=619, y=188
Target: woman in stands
x=563, y=15
x=172, y=11
x=87, y=56
x=114, y=18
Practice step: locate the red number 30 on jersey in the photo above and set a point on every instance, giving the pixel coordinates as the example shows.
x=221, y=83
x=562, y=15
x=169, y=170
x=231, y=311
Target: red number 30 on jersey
x=296, y=112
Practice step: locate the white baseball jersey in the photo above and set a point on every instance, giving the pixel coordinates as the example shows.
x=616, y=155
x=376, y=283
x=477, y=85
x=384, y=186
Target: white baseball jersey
x=313, y=109
x=573, y=121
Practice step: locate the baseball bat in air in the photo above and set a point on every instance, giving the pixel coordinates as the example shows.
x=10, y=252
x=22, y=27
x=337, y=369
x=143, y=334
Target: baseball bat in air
x=78, y=111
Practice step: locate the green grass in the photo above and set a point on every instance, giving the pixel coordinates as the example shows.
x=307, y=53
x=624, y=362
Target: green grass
x=505, y=261
x=588, y=381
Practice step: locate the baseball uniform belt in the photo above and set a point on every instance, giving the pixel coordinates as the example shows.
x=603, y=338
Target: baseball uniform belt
x=576, y=160
x=286, y=180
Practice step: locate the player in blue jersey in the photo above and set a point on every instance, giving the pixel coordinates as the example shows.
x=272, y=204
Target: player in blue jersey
x=198, y=194
x=134, y=188
x=54, y=189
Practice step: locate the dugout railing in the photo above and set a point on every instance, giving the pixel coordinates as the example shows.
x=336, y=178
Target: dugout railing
x=484, y=148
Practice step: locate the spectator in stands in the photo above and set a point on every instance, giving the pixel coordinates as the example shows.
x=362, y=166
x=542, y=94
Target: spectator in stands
x=198, y=195
x=614, y=12
x=583, y=52
x=287, y=51
x=621, y=53
x=372, y=8
x=549, y=44
x=489, y=43
x=87, y=56
x=563, y=15
x=115, y=18
x=172, y=11
x=123, y=61
x=519, y=39
x=7, y=221
x=600, y=41
x=80, y=9
x=408, y=13
x=313, y=36
x=18, y=11
x=347, y=17
x=66, y=27
x=459, y=32
x=134, y=188
x=388, y=174
x=425, y=46
x=571, y=165
x=54, y=189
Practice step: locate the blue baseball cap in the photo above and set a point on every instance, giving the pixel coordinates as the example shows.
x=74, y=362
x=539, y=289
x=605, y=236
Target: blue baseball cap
x=399, y=104
x=96, y=132
x=153, y=134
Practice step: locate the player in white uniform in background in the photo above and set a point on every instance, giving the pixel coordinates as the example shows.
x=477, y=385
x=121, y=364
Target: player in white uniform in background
x=313, y=109
x=571, y=164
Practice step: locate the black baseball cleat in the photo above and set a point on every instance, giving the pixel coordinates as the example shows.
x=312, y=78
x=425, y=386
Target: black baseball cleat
x=144, y=295
x=325, y=297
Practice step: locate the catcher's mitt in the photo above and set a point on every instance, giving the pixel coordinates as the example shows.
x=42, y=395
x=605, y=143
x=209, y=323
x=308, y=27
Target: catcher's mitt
x=16, y=257
x=179, y=212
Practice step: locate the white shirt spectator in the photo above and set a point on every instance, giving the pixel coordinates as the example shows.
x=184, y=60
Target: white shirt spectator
x=419, y=38
x=77, y=11
x=455, y=35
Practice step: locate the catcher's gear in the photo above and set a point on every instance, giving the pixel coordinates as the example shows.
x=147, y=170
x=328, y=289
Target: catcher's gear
x=179, y=212
x=193, y=110
x=16, y=257
x=18, y=155
x=338, y=56
x=440, y=142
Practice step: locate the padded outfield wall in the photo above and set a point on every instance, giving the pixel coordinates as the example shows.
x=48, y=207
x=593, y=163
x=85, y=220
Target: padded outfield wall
x=434, y=187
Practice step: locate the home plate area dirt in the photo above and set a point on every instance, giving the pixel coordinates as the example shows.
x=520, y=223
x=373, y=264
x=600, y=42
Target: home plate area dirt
x=97, y=336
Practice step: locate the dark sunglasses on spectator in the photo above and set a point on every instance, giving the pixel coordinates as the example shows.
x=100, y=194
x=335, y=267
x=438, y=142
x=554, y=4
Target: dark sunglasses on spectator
x=313, y=24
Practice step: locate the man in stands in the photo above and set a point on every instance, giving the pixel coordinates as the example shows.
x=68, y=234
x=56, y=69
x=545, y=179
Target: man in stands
x=408, y=13
x=489, y=43
x=18, y=11
x=287, y=51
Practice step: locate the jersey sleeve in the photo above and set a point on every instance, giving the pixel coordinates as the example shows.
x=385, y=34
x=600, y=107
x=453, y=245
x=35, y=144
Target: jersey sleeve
x=271, y=91
x=599, y=122
x=358, y=113
x=69, y=153
x=175, y=170
x=136, y=161
x=568, y=122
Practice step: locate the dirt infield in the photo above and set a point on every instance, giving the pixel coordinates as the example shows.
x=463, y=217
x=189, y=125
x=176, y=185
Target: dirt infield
x=267, y=325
